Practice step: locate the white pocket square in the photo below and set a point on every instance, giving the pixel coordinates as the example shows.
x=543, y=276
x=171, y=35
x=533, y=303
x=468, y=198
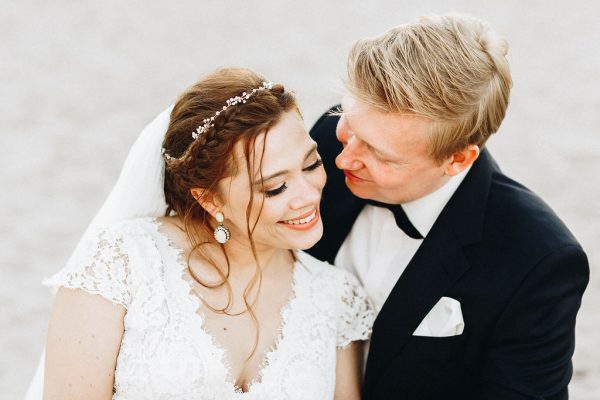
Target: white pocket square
x=444, y=319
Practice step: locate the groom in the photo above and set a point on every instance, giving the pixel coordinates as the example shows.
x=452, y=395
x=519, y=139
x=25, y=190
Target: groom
x=476, y=281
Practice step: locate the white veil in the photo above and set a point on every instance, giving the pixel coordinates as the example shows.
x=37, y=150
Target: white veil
x=137, y=193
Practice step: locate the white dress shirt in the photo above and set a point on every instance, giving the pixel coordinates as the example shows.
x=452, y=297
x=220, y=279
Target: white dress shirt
x=377, y=252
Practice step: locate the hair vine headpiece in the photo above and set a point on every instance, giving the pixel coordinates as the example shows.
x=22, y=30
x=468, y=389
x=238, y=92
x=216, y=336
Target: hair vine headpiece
x=209, y=122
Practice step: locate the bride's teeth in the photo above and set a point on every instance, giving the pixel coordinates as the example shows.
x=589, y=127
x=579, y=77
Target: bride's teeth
x=303, y=220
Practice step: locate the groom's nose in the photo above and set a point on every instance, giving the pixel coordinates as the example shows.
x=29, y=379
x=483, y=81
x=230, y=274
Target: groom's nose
x=347, y=159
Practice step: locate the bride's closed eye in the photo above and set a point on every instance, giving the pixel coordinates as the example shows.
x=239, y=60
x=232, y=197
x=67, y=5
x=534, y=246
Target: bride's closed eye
x=274, y=192
x=314, y=165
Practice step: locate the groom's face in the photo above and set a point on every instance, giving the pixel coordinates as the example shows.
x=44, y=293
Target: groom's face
x=385, y=156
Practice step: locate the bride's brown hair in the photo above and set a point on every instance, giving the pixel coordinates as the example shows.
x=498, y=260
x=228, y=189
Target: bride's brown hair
x=210, y=158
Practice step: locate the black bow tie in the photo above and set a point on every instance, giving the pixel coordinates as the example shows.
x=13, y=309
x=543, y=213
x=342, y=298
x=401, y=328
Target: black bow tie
x=401, y=218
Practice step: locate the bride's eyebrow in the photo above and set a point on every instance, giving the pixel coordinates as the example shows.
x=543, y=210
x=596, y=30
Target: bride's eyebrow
x=279, y=173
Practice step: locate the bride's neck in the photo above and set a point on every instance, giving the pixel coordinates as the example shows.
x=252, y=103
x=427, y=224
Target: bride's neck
x=239, y=251
x=240, y=254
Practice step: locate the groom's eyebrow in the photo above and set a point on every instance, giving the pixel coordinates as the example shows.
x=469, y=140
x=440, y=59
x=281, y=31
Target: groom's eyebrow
x=381, y=153
x=279, y=173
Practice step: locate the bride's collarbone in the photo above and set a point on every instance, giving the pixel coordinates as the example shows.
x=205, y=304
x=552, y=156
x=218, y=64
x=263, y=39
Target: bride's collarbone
x=265, y=298
x=212, y=270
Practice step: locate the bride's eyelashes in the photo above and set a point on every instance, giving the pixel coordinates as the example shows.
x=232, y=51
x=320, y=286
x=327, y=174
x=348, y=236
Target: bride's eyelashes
x=275, y=192
x=283, y=187
x=314, y=165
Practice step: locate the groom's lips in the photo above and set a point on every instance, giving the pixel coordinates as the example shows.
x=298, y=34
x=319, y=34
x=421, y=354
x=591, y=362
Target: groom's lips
x=353, y=178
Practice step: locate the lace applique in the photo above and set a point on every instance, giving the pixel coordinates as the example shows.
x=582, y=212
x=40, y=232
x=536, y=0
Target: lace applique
x=99, y=266
x=356, y=315
x=165, y=354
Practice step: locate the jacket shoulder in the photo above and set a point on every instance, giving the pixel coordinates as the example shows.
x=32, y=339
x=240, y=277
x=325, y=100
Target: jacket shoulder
x=518, y=216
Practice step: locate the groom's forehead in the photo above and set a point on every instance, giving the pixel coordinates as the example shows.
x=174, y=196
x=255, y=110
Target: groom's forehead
x=362, y=116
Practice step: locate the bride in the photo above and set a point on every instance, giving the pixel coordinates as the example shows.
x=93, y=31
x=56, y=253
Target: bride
x=189, y=285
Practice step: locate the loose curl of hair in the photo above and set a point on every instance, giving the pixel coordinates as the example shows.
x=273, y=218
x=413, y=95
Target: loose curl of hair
x=210, y=158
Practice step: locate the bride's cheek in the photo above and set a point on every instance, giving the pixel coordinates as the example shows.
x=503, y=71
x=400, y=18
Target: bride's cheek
x=321, y=179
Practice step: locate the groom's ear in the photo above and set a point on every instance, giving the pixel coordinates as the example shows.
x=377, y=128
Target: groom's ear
x=461, y=160
x=207, y=200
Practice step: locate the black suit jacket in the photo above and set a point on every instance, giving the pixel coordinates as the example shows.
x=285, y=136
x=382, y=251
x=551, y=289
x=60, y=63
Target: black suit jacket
x=501, y=252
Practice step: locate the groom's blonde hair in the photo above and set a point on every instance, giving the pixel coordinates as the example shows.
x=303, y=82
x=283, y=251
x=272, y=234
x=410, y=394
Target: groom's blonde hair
x=451, y=69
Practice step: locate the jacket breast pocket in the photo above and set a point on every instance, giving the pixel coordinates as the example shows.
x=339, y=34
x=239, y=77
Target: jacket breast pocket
x=449, y=349
x=427, y=368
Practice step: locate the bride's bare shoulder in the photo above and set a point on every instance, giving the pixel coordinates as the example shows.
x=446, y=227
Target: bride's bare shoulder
x=170, y=224
x=173, y=228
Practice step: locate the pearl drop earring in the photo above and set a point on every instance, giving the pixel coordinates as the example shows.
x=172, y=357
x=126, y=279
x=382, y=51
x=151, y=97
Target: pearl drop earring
x=222, y=234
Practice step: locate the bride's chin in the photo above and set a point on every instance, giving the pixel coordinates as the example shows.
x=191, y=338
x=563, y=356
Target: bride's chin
x=309, y=239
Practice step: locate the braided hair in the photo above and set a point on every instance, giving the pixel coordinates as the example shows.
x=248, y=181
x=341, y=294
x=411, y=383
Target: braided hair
x=203, y=162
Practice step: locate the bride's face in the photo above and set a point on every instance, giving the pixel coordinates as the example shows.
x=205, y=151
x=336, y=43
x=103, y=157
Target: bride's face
x=293, y=178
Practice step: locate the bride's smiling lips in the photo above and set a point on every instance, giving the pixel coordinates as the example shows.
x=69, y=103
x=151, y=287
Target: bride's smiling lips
x=303, y=222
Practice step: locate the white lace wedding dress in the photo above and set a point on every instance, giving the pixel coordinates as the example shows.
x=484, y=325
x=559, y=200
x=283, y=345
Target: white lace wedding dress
x=165, y=352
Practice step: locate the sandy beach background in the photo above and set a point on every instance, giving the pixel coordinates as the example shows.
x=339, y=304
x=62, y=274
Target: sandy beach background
x=79, y=80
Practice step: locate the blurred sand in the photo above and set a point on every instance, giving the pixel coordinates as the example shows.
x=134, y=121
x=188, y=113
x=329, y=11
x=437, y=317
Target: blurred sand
x=80, y=79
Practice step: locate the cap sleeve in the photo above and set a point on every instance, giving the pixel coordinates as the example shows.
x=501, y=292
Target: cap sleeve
x=356, y=315
x=99, y=265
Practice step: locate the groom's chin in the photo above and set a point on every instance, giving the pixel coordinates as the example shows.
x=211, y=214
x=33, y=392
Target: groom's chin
x=360, y=192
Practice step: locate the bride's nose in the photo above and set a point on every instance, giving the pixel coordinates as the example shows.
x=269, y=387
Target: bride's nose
x=308, y=195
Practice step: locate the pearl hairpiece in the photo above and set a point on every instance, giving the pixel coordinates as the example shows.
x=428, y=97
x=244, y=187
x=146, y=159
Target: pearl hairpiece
x=209, y=122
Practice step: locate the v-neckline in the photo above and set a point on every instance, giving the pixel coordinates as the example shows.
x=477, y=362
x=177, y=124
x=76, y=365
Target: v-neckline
x=195, y=301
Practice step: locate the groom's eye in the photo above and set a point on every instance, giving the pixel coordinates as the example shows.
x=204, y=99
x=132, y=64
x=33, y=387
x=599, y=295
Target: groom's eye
x=376, y=154
x=380, y=157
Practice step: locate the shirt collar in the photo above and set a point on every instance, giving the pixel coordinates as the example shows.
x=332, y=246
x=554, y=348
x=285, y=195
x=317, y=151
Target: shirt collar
x=423, y=212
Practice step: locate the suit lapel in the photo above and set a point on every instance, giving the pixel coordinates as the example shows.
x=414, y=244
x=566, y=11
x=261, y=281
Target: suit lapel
x=433, y=270
x=438, y=263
